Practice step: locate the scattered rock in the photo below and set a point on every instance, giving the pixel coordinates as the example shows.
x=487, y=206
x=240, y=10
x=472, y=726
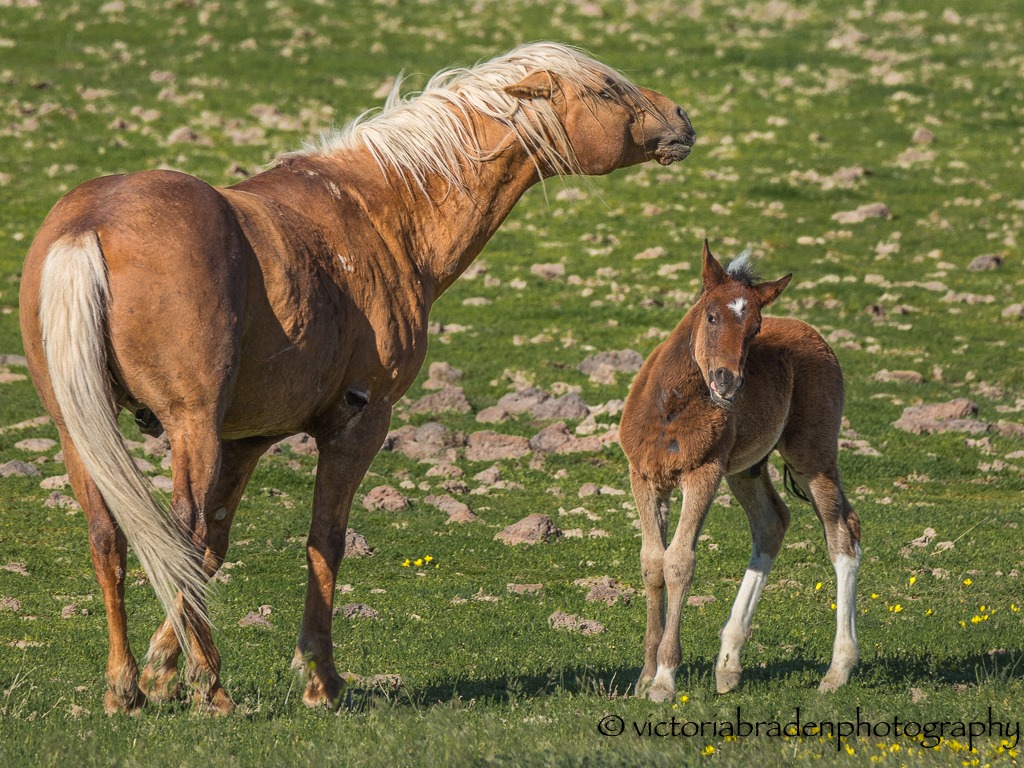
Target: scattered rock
x=605, y=589
x=385, y=497
x=450, y=399
x=923, y=136
x=36, y=444
x=954, y=416
x=489, y=476
x=356, y=611
x=257, y=618
x=10, y=604
x=548, y=271
x=441, y=374
x=70, y=611
x=533, y=529
x=301, y=444
x=18, y=568
x=58, y=500
x=602, y=367
x=494, y=446
x=864, y=212
x=388, y=683
x=651, y=253
x=444, y=469
x=15, y=468
x=21, y=362
x=568, y=406
x=567, y=621
x=356, y=545
x=589, y=489
x=925, y=538
x=907, y=377
x=162, y=483
x=556, y=438
x=158, y=447
x=1015, y=311
x=700, y=600
x=55, y=483
x=954, y=297
x=457, y=511
x=429, y=441
x=986, y=263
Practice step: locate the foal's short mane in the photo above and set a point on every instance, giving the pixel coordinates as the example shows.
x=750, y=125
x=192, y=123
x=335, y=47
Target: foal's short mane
x=742, y=269
x=426, y=134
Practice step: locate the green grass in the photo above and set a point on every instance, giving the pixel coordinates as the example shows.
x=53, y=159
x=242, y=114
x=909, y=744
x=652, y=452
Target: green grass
x=490, y=683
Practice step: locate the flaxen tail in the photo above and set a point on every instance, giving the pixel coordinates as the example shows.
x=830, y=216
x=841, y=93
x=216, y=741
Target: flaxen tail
x=73, y=299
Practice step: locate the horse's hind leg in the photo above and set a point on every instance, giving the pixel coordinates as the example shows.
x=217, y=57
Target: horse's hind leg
x=842, y=535
x=238, y=460
x=769, y=518
x=109, y=549
x=652, y=507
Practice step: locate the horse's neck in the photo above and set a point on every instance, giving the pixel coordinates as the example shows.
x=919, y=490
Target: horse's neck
x=446, y=228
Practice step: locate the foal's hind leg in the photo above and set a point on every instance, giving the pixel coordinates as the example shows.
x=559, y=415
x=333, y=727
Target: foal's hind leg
x=768, y=517
x=238, y=460
x=652, y=507
x=109, y=549
x=842, y=535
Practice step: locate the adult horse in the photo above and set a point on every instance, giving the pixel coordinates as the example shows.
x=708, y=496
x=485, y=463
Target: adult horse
x=714, y=400
x=294, y=301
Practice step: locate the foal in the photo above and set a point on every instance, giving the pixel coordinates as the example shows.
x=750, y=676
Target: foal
x=714, y=400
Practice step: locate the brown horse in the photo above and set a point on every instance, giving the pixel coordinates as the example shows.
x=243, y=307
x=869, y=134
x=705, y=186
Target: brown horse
x=719, y=395
x=295, y=301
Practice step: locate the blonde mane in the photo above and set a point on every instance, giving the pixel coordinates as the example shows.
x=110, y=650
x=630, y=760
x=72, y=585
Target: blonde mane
x=428, y=134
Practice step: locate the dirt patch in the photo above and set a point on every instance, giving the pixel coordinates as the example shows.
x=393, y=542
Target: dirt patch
x=15, y=468
x=605, y=589
x=356, y=611
x=571, y=623
x=457, y=511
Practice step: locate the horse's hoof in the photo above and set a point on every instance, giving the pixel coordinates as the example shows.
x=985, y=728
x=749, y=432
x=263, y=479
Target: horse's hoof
x=124, y=704
x=323, y=691
x=160, y=685
x=727, y=680
x=216, y=702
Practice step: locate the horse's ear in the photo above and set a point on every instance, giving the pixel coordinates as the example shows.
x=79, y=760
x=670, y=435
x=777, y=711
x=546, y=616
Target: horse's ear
x=769, y=292
x=536, y=85
x=712, y=274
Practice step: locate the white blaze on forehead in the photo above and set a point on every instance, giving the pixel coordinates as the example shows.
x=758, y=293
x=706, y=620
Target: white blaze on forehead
x=738, y=306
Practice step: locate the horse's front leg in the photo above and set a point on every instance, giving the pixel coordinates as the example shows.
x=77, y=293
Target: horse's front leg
x=345, y=455
x=699, y=488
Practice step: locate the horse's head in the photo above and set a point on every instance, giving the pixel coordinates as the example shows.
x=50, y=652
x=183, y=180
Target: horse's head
x=727, y=317
x=609, y=122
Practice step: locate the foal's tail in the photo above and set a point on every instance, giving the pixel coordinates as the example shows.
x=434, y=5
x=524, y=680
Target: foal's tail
x=73, y=299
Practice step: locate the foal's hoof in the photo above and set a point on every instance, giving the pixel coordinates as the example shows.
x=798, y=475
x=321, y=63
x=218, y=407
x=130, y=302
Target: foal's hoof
x=727, y=680
x=661, y=693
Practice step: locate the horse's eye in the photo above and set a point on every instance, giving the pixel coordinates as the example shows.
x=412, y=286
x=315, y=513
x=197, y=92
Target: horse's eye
x=605, y=94
x=711, y=319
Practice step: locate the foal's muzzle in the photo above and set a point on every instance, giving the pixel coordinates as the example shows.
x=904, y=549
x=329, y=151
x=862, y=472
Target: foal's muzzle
x=724, y=385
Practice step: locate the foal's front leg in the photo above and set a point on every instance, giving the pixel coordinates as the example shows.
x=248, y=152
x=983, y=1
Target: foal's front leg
x=652, y=508
x=699, y=488
x=345, y=455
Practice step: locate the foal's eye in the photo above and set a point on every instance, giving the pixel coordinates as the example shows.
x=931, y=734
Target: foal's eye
x=711, y=319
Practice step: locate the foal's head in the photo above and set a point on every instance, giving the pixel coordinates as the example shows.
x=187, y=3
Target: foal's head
x=727, y=317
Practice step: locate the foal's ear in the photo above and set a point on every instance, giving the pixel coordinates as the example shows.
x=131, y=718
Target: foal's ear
x=536, y=85
x=769, y=292
x=712, y=274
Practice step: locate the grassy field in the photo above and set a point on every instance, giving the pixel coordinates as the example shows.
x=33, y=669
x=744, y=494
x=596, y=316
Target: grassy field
x=803, y=110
